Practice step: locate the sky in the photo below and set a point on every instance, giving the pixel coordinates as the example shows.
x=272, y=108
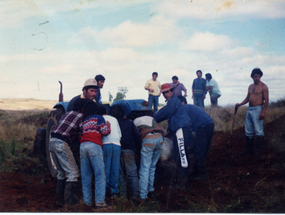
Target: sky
x=46, y=41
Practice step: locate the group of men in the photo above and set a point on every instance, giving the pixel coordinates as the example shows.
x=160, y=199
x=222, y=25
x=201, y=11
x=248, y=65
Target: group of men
x=190, y=138
x=189, y=126
x=200, y=87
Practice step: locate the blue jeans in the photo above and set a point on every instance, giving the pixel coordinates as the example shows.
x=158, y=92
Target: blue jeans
x=111, y=153
x=253, y=125
x=199, y=101
x=214, y=99
x=91, y=160
x=129, y=172
x=153, y=100
x=150, y=152
x=64, y=160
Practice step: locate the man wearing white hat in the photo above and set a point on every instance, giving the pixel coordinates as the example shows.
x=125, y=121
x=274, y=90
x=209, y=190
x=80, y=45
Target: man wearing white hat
x=89, y=92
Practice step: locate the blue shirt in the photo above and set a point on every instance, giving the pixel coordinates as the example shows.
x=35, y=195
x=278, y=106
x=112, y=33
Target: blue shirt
x=199, y=87
x=198, y=116
x=175, y=113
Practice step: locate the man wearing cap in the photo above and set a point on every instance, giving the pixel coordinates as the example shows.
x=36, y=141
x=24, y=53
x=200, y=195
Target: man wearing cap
x=100, y=83
x=89, y=92
x=179, y=127
x=153, y=86
x=202, y=128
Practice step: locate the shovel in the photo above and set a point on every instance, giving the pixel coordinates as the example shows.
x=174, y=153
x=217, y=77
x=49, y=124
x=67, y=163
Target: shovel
x=231, y=133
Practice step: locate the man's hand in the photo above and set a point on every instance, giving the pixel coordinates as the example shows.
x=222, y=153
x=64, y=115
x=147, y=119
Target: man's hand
x=185, y=95
x=151, y=90
x=262, y=115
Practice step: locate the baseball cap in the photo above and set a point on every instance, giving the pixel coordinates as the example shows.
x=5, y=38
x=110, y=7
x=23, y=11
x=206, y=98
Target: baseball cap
x=91, y=82
x=165, y=87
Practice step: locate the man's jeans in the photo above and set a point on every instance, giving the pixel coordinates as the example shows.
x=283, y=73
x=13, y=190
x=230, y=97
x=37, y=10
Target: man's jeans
x=214, y=99
x=64, y=160
x=111, y=154
x=129, y=172
x=150, y=152
x=91, y=159
x=252, y=122
x=153, y=100
x=199, y=101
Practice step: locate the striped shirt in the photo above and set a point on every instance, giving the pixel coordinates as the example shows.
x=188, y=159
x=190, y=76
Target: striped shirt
x=94, y=126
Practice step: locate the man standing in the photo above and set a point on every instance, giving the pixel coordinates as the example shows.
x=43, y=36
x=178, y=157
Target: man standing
x=258, y=98
x=153, y=87
x=199, y=90
x=89, y=92
x=178, y=87
x=100, y=83
x=179, y=127
x=213, y=88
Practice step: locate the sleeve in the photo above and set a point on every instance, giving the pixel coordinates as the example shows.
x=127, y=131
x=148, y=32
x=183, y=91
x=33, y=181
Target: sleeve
x=103, y=127
x=159, y=85
x=146, y=84
x=193, y=84
x=183, y=87
x=119, y=130
x=166, y=112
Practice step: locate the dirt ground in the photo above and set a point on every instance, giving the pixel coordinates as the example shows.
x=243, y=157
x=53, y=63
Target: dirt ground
x=236, y=183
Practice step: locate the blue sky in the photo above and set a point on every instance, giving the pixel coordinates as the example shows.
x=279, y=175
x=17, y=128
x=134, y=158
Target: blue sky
x=45, y=41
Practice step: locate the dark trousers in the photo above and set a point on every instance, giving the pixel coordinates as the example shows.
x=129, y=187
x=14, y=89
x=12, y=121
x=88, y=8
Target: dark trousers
x=184, y=144
x=202, y=143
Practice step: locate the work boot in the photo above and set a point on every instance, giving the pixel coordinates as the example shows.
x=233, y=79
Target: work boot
x=70, y=193
x=259, y=142
x=249, y=146
x=60, y=192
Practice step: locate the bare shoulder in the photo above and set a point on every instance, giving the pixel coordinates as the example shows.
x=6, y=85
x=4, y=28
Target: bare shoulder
x=264, y=86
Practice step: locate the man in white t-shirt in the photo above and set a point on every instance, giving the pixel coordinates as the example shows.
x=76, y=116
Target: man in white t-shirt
x=213, y=88
x=153, y=87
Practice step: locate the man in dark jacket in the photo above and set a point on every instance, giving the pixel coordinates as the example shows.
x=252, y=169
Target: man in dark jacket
x=202, y=127
x=179, y=127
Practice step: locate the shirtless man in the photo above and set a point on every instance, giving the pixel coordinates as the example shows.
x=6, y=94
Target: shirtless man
x=257, y=97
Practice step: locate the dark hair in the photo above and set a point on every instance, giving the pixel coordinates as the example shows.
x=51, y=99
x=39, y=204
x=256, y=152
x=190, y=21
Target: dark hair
x=208, y=76
x=99, y=78
x=155, y=73
x=79, y=104
x=182, y=99
x=101, y=110
x=90, y=108
x=117, y=111
x=256, y=71
x=199, y=71
x=175, y=78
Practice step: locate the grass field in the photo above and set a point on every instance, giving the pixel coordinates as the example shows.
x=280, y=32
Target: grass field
x=20, y=119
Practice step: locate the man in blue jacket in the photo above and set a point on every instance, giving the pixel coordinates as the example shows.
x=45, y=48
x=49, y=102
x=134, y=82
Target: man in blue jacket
x=202, y=127
x=179, y=127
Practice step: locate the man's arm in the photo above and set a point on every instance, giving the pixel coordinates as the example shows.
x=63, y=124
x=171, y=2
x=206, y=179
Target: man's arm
x=246, y=100
x=265, y=94
x=147, y=87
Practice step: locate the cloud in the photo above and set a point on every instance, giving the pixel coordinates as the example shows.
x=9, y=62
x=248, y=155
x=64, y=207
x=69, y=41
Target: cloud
x=207, y=42
x=130, y=34
x=220, y=9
